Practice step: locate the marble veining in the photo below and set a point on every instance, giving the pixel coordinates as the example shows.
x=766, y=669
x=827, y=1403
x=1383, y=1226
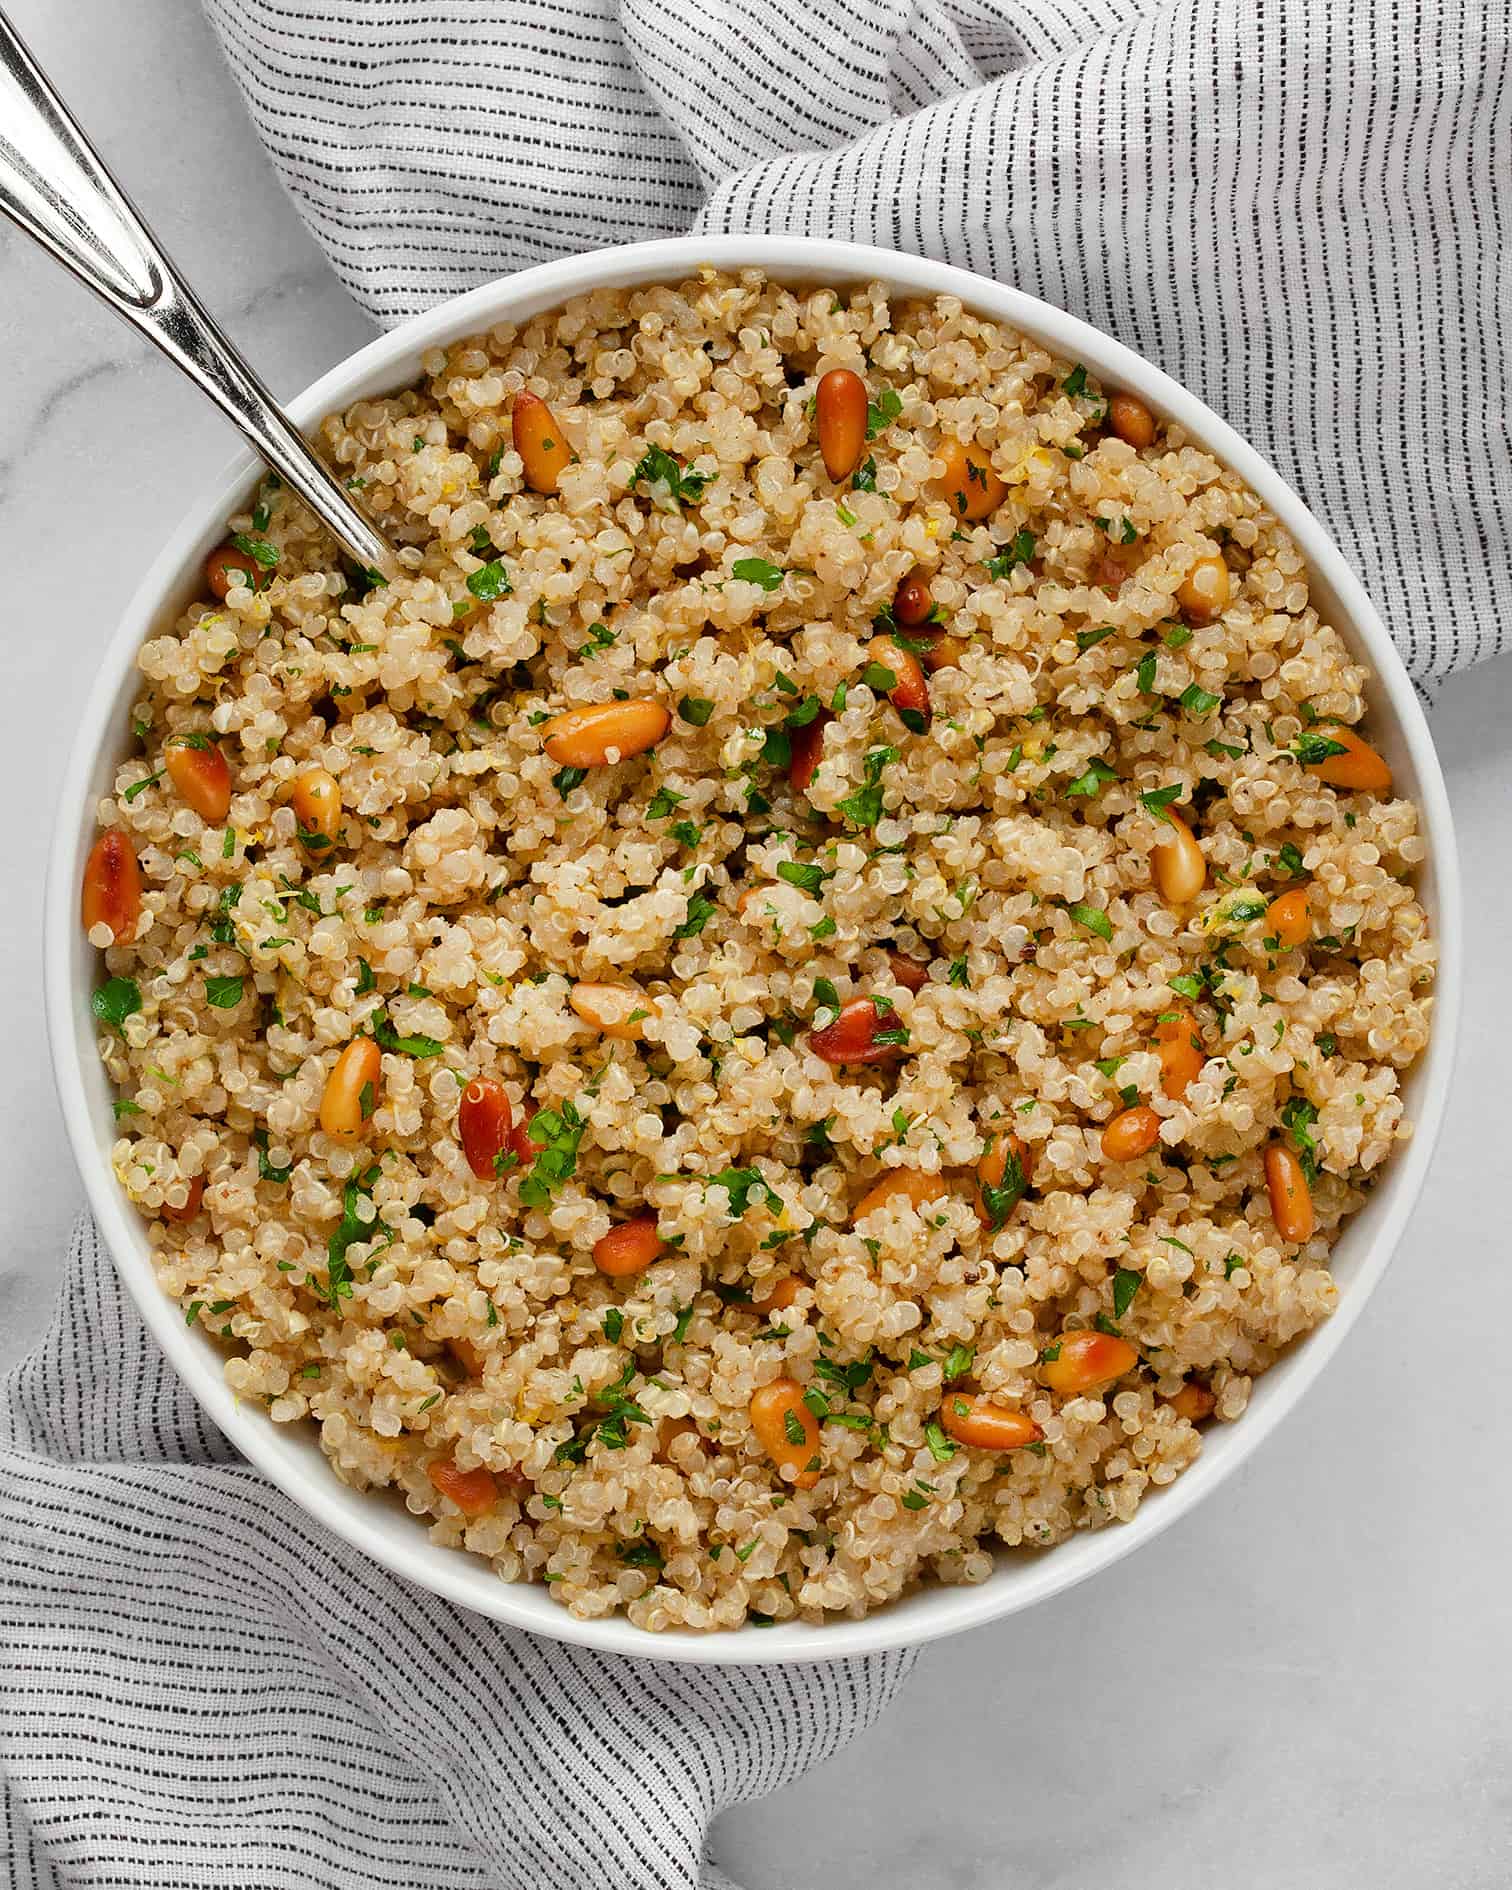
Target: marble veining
x=1302, y=1685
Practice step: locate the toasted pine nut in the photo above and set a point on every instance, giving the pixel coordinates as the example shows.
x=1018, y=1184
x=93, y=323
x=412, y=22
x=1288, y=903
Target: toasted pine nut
x=629, y=1248
x=539, y=441
x=998, y=1194
x=983, y=1425
x=1204, y=592
x=778, y=1296
x=191, y=1207
x=586, y=738
x=668, y=1432
x=227, y=567
x=912, y=602
x=1288, y=919
x=484, y=1120
x=968, y=482
x=200, y=776
x=908, y=1184
x=1290, y=1196
x=1131, y=420
x=852, y=1036
x=351, y=1091
x=467, y=1356
x=908, y=971
x=909, y=694
x=316, y=801
x=1181, y=1053
x=1131, y=1133
x=840, y=415
x=112, y=892
x=615, y=1010
x=1082, y=1361
x=787, y=1431
x=940, y=651
x=1359, y=768
x=1177, y=865
x=1194, y=1402
x=808, y=750
x=473, y=1491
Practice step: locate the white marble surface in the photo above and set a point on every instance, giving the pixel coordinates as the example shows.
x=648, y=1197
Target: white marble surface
x=1304, y=1684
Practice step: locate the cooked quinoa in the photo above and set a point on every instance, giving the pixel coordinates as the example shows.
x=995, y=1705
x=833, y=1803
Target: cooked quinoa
x=851, y=933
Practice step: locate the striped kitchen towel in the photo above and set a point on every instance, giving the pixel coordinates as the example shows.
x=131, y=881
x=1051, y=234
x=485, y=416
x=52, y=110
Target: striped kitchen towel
x=1298, y=208
x=201, y=1689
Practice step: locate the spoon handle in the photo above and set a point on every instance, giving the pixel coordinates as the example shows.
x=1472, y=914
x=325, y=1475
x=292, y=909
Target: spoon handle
x=54, y=185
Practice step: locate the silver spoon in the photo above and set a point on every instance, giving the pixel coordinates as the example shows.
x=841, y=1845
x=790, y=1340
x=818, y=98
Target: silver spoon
x=53, y=184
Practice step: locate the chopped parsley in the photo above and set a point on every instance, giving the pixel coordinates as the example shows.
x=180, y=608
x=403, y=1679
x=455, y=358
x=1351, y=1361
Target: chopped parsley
x=490, y=581
x=1313, y=747
x=1019, y=550
x=1126, y=1284
x=695, y=709
x=558, y=1134
x=700, y=910
x=114, y=1002
x=759, y=571
x=881, y=412
x=669, y=485
x=1094, y=919
x=387, y=1038
x=1091, y=783
x=223, y=993
x=864, y=807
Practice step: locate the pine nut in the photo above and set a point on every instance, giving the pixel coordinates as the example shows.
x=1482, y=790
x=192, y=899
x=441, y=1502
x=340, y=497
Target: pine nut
x=1181, y=1053
x=539, y=441
x=629, y=1248
x=1081, y=1361
x=351, y=1091
x=968, y=481
x=112, y=893
x=840, y=414
x=473, y=1491
x=1290, y=1196
x=1359, y=769
x=484, y=1120
x=852, y=1036
x=616, y=1010
x=227, y=567
x=1288, y=919
x=909, y=693
x=998, y=1193
x=586, y=738
x=983, y=1425
x=787, y=1431
x=316, y=801
x=1177, y=865
x=199, y=774
x=899, y=1184
x=1131, y=420
x=1131, y=1133
x=907, y=971
x=1204, y=592
x=912, y=602
x=1194, y=1402
x=778, y=1296
x=191, y=1207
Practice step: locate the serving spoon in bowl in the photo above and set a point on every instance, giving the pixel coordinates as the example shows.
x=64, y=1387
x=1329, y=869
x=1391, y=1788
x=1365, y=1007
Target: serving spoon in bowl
x=54, y=185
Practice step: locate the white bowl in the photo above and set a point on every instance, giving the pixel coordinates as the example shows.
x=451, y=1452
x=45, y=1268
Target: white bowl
x=289, y=1455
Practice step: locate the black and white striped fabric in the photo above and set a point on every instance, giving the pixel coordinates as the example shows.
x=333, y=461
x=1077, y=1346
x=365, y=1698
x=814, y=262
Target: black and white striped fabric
x=1299, y=208
x=200, y=1689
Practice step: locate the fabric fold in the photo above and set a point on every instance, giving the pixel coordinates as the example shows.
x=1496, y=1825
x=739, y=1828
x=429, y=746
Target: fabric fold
x=199, y=1684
